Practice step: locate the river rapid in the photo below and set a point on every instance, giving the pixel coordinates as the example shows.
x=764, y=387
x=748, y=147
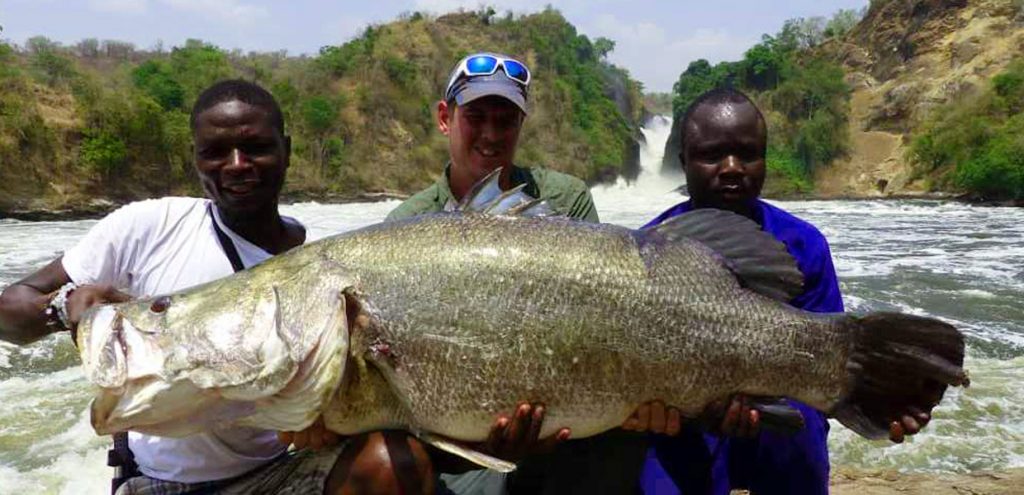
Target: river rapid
x=960, y=263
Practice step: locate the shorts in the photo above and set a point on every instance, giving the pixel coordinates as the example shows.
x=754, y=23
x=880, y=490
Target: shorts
x=296, y=472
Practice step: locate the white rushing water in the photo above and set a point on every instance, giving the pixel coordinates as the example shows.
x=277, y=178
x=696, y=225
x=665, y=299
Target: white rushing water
x=960, y=263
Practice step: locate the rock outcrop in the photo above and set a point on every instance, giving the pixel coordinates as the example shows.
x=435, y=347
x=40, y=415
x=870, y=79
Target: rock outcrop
x=904, y=59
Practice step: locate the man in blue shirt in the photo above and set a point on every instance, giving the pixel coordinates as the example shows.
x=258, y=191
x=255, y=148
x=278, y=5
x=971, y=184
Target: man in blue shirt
x=724, y=142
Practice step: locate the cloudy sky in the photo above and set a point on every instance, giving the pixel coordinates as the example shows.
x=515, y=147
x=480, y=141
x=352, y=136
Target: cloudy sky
x=655, y=39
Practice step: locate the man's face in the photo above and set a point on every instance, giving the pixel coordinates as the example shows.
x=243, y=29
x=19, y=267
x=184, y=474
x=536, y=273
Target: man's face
x=482, y=135
x=724, y=155
x=240, y=156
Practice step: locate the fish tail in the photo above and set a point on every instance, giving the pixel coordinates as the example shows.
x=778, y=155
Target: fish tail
x=898, y=364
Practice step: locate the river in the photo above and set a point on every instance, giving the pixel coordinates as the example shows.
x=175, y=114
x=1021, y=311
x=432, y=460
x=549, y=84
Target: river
x=960, y=263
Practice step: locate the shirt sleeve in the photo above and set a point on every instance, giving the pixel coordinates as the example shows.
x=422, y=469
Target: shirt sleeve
x=583, y=207
x=822, y=285
x=105, y=254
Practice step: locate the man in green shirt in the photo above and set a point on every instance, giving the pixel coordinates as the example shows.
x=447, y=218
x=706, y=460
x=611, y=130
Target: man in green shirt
x=483, y=110
x=482, y=113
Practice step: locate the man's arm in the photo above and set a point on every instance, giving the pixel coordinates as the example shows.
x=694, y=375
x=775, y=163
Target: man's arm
x=583, y=207
x=23, y=305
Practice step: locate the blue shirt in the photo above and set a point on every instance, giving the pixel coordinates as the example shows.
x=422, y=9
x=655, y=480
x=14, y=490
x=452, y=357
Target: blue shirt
x=696, y=462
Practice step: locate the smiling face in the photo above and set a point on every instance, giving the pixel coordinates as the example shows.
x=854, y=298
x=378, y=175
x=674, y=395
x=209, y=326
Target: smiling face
x=482, y=136
x=724, y=155
x=241, y=157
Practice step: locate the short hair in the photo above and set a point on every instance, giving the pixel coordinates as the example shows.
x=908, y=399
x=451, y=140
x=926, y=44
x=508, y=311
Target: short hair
x=717, y=96
x=240, y=90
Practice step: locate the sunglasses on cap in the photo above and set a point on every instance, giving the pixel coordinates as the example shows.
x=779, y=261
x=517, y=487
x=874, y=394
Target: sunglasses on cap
x=485, y=65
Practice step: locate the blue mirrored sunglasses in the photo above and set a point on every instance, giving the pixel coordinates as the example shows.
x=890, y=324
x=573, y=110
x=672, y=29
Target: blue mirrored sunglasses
x=485, y=65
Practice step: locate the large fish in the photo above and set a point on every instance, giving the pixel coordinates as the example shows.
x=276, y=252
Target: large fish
x=439, y=323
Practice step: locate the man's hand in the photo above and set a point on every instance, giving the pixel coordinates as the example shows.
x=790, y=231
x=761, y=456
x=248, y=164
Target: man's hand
x=514, y=438
x=316, y=437
x=87, y=296
x=738, y=418
x=908, y=424
x=654, y=417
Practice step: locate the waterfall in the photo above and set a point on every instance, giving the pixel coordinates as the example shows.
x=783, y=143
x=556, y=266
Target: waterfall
x=633, y=203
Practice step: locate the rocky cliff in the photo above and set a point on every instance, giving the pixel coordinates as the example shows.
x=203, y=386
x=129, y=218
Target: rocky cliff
x=902, y=61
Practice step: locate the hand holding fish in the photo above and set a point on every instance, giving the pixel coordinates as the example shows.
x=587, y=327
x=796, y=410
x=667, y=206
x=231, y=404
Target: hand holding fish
x=654, y=417
x=516, y=437
x=86, y=296
x=316, y=437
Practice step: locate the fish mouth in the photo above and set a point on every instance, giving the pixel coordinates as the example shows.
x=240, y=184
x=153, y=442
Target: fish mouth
x=103, y=347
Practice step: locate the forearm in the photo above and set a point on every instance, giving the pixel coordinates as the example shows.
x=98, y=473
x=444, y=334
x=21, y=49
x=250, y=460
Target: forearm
x=23, y=314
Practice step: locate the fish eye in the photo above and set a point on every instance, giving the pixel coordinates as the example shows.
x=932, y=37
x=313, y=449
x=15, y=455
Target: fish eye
x=161, y=304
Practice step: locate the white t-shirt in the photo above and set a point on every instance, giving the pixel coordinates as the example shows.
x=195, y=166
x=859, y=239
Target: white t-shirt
x=156, y=247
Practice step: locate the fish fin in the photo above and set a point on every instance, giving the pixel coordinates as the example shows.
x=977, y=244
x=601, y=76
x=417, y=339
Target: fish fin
x=482, y=194
x=777, y=415
x=898, y=363
x=534, y=208
x=474, y=456
x=487, y=197
x=761, y=262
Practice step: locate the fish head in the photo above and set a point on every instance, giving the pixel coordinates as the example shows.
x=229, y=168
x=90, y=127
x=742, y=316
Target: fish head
x=212, y=355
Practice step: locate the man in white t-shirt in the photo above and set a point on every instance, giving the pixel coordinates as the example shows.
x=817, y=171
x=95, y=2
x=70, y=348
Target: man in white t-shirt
x=165, y=245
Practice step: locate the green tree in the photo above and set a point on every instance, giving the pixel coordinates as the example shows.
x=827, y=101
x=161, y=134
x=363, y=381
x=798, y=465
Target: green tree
x=603, y=46
x=154, y=77
x=320, y=116
x=842, y=22
x=103, y=153
x=52, y=67
x=197, y=65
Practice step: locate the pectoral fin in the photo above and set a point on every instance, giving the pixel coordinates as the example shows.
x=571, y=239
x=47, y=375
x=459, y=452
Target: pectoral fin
x=474, y=456
x=778, y=416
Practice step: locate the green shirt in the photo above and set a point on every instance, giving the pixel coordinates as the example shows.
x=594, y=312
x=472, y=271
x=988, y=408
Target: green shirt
x=565, y=194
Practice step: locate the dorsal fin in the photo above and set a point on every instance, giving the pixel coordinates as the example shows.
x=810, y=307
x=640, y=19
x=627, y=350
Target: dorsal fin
x=760, y=261
x=486, y=196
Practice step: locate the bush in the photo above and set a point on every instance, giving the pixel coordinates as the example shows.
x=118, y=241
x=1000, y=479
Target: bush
x=103, y=153
x=401, y=72
x=786, y=173
x=981, y=138
x=52, y=68
x=997, y=169
x=154, y=78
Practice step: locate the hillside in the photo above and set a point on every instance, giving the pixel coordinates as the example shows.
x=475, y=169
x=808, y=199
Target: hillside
x=905, y=98
x=904, y=61
x=99, y=123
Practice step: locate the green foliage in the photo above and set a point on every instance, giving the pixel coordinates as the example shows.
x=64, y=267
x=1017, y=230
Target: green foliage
x=401, y=72
x=320, y=118
x=981, y=138
x=698, y=78
x=361, y=115
x=842, y=22
x=810, y=93
x=786, y=173
x=603, y=46
x=53, y=68
x=340, y=60
x=197, y=65
x=154, y=77
x=319, y=114
x=103, y=153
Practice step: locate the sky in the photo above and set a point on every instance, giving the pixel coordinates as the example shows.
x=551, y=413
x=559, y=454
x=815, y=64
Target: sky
x=655, y=39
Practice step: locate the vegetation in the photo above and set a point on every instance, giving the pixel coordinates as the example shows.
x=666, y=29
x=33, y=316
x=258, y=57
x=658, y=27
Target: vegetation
x=104, y=118
x=803, y=96
x=979, y=140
